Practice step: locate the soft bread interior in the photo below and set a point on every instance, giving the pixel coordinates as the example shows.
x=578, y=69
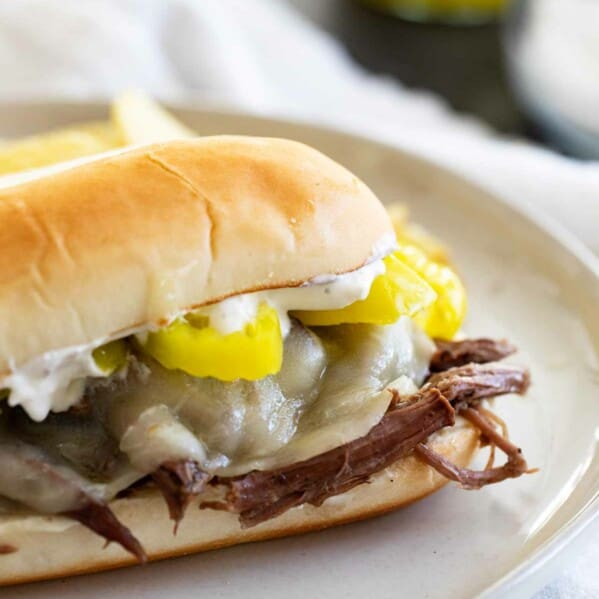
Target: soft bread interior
x=54, y=547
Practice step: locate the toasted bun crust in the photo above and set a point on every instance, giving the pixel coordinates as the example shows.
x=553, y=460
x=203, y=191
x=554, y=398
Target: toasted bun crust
x=75, y=550
x=135, y=237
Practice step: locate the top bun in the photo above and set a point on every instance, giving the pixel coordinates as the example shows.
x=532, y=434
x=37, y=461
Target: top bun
x=133, y=238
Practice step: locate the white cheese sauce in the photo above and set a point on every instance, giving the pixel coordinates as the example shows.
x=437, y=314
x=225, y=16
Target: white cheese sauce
x=326, y=292
x=52, y=382
x=55, y=380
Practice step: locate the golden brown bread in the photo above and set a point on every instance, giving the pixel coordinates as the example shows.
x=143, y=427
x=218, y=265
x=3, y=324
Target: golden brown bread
x=133, y=238
x=74, y=550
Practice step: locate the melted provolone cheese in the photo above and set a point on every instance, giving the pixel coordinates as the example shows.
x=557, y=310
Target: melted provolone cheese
x=332, y=389
x=157, y=436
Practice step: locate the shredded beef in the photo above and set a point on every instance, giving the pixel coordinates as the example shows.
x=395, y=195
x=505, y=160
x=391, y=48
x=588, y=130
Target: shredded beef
x=98, y=517
x=179, y=481
x=475, y=479
x=261, y=495
x=454, y=388
x=450, y=354
x=465, y=384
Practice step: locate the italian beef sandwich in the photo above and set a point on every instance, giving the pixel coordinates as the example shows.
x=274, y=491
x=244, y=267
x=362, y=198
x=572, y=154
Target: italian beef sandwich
x=221, y=340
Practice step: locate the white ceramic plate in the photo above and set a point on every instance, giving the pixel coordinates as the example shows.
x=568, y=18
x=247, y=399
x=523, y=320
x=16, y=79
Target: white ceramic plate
x=528, y=281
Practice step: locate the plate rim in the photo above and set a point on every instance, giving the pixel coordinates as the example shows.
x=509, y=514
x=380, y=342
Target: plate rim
x=564, y=536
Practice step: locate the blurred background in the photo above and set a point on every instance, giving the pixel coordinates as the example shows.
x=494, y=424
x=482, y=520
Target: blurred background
x=526, y=67
x=461, y=59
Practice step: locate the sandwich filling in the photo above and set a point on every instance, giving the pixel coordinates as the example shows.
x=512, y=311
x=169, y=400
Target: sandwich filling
x=55, y=381
x=258, y=403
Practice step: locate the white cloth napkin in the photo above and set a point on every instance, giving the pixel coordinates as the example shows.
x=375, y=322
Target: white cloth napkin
x=261, y=56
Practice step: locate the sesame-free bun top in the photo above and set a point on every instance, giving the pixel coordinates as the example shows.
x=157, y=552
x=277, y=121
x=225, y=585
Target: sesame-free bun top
x=133, y=238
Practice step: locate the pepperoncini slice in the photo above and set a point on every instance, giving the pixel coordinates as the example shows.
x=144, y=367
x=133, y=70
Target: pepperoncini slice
x=111, y=356
x=399, y=291
x=444, y=316
x=191, y=345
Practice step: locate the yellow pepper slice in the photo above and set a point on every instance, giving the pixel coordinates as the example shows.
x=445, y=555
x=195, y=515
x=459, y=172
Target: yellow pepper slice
x=398, y=292
x=189, y=344
x=444, y=317
x=111, y=356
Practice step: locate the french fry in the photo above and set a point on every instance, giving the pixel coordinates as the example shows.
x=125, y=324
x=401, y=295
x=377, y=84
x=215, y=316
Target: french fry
x=141, y=120
x=57, y=146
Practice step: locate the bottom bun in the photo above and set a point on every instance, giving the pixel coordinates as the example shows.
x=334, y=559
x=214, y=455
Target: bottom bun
x=53, y=547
